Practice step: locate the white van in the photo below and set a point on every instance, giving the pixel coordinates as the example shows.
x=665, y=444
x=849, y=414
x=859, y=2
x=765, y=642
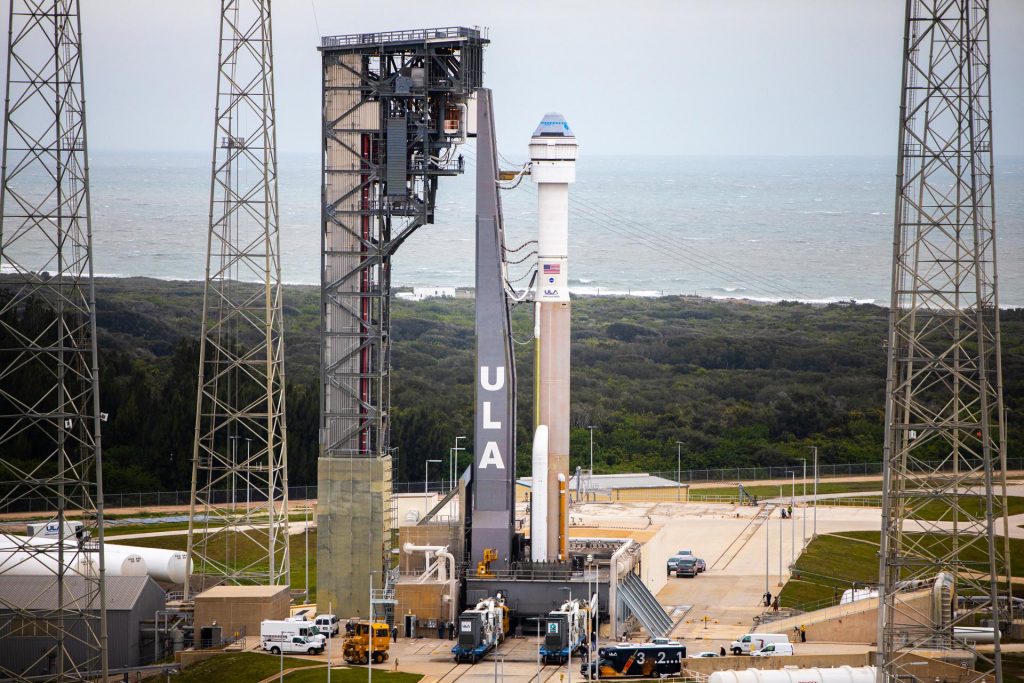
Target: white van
x=328, y=624
x=774, y=650
x=751, y=642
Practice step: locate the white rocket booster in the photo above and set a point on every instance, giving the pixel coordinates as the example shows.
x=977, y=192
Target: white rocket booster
x=553, y=151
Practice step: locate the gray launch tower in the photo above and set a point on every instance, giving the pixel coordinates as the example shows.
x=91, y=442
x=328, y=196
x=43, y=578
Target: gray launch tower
x=395, y=106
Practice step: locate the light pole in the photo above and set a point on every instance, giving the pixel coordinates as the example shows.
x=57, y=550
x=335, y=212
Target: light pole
x=248, y=468
x=781, y=532
x=330, y=637
x=569, y=660
x=767, y=539
x=590, y=482
x=814, y=532
x=234, y=467
x=679, y=470
x=426, y=469
x=306, y=517
x=803, y=533
x=792, y=527
x=453, y=463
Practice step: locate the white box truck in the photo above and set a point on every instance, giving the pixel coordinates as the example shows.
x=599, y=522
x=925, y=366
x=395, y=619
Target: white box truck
x=284, y=636
x=749, y=642
x=304, y=627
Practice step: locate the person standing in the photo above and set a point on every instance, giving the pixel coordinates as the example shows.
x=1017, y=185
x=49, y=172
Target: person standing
x=775, y=604
x=803, y=633
x=767, y=597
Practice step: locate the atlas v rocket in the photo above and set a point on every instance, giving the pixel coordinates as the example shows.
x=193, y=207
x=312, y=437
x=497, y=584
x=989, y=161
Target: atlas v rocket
x=553, y=151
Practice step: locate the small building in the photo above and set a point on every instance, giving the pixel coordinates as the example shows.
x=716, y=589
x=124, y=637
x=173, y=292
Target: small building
x=238, y=610
x=24, y=640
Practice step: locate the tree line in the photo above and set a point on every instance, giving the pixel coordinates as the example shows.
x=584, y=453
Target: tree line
x=738, y=383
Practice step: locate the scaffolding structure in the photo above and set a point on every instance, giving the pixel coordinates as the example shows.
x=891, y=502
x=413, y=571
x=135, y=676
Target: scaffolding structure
x=49, y=378
x=239, y=510
x=945, y=440
x=395, y=108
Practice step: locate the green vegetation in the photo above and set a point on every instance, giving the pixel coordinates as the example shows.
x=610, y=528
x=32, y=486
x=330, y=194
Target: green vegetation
x=740, y=384
x=241, y=667
x=833, y=563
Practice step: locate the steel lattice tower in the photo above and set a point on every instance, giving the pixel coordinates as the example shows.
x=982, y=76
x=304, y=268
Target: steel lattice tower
x=239, y=470
x=49, y=393
x=944, y=441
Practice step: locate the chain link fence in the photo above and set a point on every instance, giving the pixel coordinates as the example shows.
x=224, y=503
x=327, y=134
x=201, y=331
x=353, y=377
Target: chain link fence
x=156, y=499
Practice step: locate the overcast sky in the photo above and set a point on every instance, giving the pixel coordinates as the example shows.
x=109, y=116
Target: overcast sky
x=775, y=77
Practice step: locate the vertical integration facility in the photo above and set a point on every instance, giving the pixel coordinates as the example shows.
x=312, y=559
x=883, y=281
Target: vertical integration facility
x=394, y=108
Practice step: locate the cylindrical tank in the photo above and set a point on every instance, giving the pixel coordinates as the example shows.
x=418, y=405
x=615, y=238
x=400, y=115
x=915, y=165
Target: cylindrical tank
x=538, y=497
x=14, y=562
x=120, y=560
x=163, y=565
x=792, y=674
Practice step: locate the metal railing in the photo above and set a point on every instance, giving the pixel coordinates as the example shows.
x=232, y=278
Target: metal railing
x=415, y=35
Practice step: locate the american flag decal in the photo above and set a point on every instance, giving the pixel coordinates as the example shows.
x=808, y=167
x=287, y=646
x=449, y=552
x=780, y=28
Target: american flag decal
x=552, y=268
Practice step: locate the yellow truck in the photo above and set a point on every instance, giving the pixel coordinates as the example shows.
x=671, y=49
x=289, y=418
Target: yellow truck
x=357, y=648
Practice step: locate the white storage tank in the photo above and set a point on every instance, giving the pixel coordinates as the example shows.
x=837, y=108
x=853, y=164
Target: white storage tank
x=792, y=674
x=170, y=566
x=16, y=562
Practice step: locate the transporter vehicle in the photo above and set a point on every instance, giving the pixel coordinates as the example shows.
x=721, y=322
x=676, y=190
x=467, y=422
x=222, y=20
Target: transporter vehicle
x=566, y=632
x=686, y=566
x=284, y=636
x=328, y=624
x=637, y=660
x=749, y=642
x=359, y=646
x=774, y=650
x=481, y=629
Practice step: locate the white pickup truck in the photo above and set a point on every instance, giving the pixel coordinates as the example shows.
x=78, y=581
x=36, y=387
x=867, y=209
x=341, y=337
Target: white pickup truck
x=289, y=636
x=750, y=642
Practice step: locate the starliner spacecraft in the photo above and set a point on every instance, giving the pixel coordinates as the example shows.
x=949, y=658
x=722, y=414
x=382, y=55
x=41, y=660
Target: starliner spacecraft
x=553, y=151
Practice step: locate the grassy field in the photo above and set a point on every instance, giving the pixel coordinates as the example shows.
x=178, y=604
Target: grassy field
x=935, y=509
x=835, y=562
x=125, y=529
x=245, y=551
x=761, y=490
x=241, y=667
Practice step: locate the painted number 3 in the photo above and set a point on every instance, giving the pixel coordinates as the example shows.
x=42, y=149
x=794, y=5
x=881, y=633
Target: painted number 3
x=640, y=657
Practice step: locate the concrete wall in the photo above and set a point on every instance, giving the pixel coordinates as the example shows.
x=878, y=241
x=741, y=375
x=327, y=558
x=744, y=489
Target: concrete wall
x=350, y=532
x=240, y=609
x=855, y=622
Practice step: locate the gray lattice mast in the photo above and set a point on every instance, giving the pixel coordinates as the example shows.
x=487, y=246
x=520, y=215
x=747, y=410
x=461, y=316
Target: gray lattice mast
x=239, y=469
x=944, y=439
x=49, y=394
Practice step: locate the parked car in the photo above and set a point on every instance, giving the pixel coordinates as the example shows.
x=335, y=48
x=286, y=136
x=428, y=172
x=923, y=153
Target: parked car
x=670, y=565
x=706, y=654
x=685, y=552
x=701, y=566
x=686, y=566
x=774, y=650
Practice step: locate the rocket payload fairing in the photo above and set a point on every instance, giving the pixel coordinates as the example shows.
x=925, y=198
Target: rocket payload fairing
x=553, y=152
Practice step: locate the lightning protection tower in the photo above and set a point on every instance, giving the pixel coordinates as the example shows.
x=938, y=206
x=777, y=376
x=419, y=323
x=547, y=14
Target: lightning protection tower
x=49, y=396
x=944, y=443
x=239, y=511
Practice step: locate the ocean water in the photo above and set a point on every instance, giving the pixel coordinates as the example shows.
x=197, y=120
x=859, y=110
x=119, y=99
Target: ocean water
x=809, y=228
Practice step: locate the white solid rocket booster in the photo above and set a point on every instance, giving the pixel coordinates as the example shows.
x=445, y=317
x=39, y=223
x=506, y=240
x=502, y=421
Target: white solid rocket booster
x=553, y=151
